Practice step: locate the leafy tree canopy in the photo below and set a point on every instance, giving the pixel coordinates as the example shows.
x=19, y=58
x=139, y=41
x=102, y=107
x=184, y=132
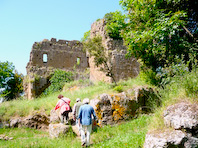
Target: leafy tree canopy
x=158, y=31
x=115, y=23
x=11, y=82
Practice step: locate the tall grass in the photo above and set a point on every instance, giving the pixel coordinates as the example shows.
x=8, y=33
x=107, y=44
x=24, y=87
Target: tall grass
x=128, y=135
x=72, y=90
x=45, y=104
x=182, y=88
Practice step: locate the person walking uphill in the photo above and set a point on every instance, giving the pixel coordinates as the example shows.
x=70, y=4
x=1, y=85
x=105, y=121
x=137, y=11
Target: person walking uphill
x=76, y=111
x=63, y=104
x=85, y=119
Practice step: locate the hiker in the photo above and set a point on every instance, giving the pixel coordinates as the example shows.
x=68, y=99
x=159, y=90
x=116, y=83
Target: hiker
x=85, y=121
x=63, y=104
x=76, y=111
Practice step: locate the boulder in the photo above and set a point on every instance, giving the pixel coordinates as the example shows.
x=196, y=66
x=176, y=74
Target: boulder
x=37, y=121
x=54, y=117
x=15, y=122
x=146, y=98
x=4, y=137
x=110, y=109
x=182, y=116
x=165, y=139
x=170, y=139
x=56, y=130
x=75, y=130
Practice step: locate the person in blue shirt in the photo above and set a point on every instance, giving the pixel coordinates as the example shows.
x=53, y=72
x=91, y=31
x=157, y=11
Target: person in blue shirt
x=85, y=121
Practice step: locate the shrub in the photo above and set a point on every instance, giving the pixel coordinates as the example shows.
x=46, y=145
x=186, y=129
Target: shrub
x=190, y=83
x=118, y=88
x=58, y=80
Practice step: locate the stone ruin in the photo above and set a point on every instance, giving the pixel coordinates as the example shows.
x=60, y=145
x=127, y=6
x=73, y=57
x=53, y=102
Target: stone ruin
x=48, y=55
x=123, y=67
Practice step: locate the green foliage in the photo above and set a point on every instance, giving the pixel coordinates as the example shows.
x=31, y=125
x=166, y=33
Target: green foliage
x=129, y=135
x=115, y=23
x=118, y=88
x=58, y=80
x=155, y=33
x=190, y=83
x=11, y=82
x=86, y=36
x=102, y=57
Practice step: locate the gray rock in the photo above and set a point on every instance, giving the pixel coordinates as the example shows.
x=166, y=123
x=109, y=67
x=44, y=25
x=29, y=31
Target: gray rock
x=75, y=130
x=37, y=121
x=110, y=109
x=165, y=139
x=182, y=116
x=15, y=122
x=191, y=142
x=54, y=117
x=4, y=137
x=56, y=130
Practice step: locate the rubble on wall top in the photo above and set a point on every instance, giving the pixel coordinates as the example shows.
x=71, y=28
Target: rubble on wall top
x=54, y=41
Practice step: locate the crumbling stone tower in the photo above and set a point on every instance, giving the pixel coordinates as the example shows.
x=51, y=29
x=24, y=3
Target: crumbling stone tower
x=46, y=56
x=123, y=67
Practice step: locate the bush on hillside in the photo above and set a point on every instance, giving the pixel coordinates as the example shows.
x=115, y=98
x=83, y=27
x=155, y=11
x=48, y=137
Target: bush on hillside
x=58, y=80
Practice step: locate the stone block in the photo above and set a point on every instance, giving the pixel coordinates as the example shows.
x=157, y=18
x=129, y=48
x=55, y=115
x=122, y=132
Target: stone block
x=56, y=130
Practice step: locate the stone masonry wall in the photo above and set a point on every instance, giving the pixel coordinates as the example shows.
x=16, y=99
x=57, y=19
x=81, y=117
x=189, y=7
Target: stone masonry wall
x=46, y=56
x=61, y=54
x=123, y=67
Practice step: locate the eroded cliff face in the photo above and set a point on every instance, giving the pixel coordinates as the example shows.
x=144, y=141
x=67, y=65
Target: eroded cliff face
x=123, y=67
x=45, y=57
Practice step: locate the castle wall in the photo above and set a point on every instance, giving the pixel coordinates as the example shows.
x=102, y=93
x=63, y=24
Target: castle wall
x=62, y=54
x=123, y=67
x=46, y=56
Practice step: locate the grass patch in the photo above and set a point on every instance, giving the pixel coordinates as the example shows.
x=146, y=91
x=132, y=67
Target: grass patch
x=30, y=138
x=130, y=134
x=21, y=108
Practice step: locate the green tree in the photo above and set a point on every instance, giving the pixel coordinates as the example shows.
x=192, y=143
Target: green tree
x=101, y=55
x=158, y=30
x=58, y=80
x=115, y=24
x=11, y=82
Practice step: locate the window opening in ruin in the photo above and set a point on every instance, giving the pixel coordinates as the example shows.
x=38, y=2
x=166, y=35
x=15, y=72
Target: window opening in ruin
x=44, y=58
x=78, y=61
x=88, y=61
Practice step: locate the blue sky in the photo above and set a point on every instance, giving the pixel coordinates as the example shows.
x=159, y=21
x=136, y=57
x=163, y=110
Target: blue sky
x=23, y=22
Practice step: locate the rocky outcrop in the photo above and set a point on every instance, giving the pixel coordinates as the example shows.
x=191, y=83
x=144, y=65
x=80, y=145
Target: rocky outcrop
x=56, y=130
x=183, y=118
x=4, y=137
x=111, y=109
x=36, y=121
x=55, y=117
